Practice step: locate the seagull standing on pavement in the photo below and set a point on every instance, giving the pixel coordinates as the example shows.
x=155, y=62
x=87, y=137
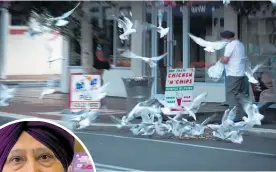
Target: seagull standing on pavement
x=151, y=61
x=126, y=25
x=208, y=45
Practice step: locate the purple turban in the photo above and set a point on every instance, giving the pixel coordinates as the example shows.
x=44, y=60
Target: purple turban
x=53, y=137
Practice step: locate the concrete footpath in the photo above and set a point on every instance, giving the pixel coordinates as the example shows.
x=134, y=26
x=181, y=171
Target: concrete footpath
x=26, y=104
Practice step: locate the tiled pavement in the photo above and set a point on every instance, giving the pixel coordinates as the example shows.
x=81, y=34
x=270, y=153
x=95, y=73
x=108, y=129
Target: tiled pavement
x=26, y=102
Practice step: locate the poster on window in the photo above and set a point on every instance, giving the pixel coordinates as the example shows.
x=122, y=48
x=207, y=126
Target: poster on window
x=82, y=163
x=179, y=88
x=80, y=85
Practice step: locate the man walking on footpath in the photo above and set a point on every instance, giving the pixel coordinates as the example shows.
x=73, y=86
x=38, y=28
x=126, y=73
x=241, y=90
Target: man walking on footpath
x=234, y=59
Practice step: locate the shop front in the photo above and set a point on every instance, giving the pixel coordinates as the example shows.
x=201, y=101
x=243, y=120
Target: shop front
x=204, y=19
x=258, y=32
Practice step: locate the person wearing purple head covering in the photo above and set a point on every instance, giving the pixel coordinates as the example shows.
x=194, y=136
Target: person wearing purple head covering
x=34, y=146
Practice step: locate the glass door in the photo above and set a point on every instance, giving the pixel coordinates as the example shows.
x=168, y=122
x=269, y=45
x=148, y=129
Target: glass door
x=175, y=38
x=163, y=46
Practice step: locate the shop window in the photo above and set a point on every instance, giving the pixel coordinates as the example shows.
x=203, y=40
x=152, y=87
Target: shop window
x=19, y=20
x=118, y=60
x=112, y=32
x=258, y=32
x=207, y=24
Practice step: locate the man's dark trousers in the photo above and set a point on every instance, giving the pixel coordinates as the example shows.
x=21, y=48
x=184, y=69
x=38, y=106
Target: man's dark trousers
x=235, y=92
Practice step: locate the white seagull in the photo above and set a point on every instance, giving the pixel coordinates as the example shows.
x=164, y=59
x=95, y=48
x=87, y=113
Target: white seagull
x=60, y=20
x=159, y=29
x=126, y=25
x=49, y=89
x=151, y=61
x=253, y=115
x=196, y=104
x=98, y=94
x=208, y=45
x=6, y=94
x=249, y=72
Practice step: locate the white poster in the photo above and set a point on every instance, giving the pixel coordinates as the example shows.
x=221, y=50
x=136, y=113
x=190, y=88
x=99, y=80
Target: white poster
x=79, y=98
x=179, y=87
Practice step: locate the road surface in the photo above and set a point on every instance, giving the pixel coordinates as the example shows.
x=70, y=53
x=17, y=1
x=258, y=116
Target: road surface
x=115, y=150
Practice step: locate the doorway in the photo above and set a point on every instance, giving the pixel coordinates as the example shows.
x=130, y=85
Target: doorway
x=172, y=44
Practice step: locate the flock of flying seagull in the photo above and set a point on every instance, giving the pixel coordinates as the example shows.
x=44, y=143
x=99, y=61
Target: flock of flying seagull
x=153, y=110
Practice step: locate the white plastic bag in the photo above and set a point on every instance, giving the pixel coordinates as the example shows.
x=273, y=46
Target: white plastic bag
x=215, y=72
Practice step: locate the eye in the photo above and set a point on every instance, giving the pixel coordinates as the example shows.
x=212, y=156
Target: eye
x=45, y=157
x=16, y=160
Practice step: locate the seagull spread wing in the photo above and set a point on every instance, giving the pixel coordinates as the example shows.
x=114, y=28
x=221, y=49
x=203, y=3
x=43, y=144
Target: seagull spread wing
x=200, y=41
x=130, y=54
x=158, y=57
x=65, y=15
x=122, y=24
x=232, y=114
x=203, y=43
x=217, y=44
x=258, y=66
x=129, y=24
x=206, y=121
x=149, y=26
x=225, y=115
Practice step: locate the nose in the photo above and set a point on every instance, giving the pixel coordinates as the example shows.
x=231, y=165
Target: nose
x=32, y=166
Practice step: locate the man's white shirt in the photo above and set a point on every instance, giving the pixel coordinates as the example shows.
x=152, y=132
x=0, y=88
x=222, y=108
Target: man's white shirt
x=235, y=51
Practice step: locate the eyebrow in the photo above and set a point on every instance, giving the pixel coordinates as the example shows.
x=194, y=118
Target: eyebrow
x=42, y=150
x=17, y=151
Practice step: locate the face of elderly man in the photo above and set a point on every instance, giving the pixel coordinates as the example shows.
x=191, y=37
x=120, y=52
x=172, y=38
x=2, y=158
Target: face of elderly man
x=29, y=155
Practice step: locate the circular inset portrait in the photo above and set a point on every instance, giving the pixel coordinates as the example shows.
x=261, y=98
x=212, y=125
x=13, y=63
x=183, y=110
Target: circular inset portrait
x=42, y=145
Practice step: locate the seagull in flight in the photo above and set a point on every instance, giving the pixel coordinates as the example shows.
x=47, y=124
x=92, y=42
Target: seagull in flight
x=100, y=93
x=151, y=61
x=249, y=72
x=126, y=25
x=53, y=59
x=49, y=89
x=159, y=29
x=6, y=94
x=60, y=20
x=253, y=115
x=208, y=45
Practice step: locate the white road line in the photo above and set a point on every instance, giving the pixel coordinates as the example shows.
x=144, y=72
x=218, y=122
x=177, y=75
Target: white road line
x=102, y=111
x=178, y=143
x=20, y=116
x=117, y=168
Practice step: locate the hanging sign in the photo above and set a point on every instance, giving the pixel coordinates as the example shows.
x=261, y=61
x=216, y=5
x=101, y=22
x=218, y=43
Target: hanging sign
x=206, y=8
x=180, y=87
x=79, y=98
